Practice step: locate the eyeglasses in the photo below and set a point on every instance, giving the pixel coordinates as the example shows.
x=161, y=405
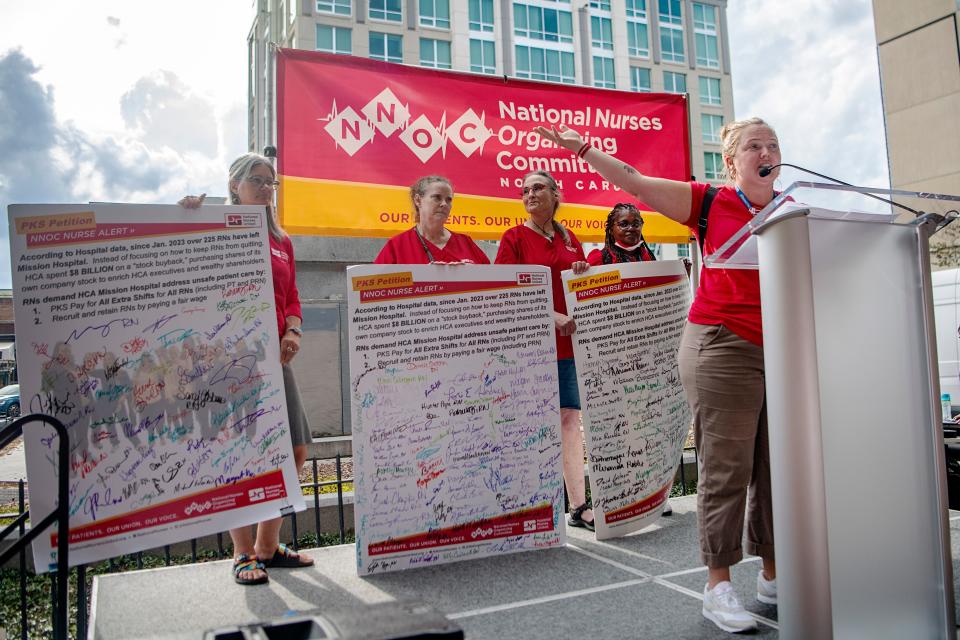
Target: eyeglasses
x=534, y=188
x=624, y=224
x=260, y=182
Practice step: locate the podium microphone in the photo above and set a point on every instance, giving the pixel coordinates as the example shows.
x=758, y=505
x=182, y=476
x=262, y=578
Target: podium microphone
x=768, y=169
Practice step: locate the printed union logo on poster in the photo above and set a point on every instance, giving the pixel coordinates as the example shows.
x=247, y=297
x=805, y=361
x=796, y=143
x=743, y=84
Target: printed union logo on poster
x=242, y=220
x=256, y=495
x=531, y=278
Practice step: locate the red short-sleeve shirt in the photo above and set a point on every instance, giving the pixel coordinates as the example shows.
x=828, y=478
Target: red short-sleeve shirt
x=730, y=297
x=523, y=245
x=405, y=248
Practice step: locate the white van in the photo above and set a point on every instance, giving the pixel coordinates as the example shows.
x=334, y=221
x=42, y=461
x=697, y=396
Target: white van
x=946, y=316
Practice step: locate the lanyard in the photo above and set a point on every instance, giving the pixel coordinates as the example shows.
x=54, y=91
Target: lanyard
x=746, y=201
x=423, y=244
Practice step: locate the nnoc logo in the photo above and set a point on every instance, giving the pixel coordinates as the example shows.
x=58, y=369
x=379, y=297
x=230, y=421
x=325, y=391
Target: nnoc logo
x=386, y=114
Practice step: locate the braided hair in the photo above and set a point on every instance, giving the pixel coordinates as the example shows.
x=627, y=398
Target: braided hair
x=611, y=251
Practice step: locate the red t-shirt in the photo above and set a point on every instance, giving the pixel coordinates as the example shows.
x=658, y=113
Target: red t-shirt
x=405, y=248
x=523, y=245
x=730, y=297
x=286, y=298
x=643, y=255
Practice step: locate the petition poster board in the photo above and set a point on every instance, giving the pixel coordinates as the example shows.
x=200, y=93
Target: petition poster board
x=456, y=413
x=150, y=332
x=629, y=321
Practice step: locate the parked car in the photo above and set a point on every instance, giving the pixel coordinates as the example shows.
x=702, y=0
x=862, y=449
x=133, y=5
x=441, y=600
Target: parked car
x=10, y=401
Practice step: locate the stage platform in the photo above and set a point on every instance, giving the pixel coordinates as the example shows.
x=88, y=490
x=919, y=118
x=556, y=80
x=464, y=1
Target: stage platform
x=646, y=585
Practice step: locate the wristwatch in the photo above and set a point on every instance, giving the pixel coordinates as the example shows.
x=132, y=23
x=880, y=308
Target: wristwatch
x=296, y=330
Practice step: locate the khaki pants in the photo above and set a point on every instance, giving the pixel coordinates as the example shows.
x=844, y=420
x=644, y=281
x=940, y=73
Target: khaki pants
x=723, y=377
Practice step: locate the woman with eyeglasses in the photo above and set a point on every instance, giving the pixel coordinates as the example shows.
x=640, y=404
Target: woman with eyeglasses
x=544, y=241
x=253, y=181
x=624, y=238
x=429, y=241
x=720, y=357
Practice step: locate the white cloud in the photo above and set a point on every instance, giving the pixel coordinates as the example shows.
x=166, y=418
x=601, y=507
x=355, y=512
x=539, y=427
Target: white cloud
x=810, y=69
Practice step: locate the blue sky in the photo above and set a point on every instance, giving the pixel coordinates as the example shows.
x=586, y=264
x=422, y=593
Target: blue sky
x=143, y=102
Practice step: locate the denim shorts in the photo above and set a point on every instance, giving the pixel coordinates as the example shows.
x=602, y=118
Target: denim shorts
x=569, y=393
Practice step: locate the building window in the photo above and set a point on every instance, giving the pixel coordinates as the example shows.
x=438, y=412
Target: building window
x=705, y=35
x=603, y=74
x=671, y=31
x=637, y=9
x=386, y=46
x=683, y=250
x=640, y=79
x=603, y=5
x=481, y=15
x=338, y=7
x=638, y=44
x=434, y=53
x=482, y=56
x=334, y=39
x=545, y=64
x=389, y=10
x=674, y=82
x=711, y=125
x=538, y=23
x=601, y=33
x=710, y=91
x=435, y=13
x=712, y=165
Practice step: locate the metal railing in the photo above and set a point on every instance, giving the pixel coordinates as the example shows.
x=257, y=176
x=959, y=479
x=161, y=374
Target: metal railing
x=140, y=560
x=60, y=515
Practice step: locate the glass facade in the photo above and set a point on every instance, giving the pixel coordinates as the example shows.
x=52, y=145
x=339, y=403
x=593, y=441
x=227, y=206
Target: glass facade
x=386, y=46
x=334, y=39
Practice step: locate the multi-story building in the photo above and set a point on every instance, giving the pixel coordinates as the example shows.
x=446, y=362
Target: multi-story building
x=920, y=81
x=675, y=46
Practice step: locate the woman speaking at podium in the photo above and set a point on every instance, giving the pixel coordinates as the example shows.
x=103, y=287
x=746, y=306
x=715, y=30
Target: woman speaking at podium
x=721, y=356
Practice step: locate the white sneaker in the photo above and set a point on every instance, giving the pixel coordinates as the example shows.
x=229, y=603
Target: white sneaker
x=721, y=607
x=766, y=589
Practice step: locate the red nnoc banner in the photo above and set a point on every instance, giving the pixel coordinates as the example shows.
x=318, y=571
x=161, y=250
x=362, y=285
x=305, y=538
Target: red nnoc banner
x=354, y=133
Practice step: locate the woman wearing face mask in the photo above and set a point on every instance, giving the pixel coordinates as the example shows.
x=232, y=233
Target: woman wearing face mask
x=721, y=358
x=429, y=241
x=542, y=240
x=624, y=238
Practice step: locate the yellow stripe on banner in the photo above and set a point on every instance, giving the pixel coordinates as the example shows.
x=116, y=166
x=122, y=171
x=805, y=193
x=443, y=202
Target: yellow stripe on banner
x=328, y=208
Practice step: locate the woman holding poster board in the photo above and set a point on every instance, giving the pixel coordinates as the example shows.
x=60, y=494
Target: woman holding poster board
x=429, y=241
x=543, y=240
x=721, y=356
x=253, y=181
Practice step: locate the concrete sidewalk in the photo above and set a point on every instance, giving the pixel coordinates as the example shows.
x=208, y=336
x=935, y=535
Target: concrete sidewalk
x=13, y=465
x=646, y=585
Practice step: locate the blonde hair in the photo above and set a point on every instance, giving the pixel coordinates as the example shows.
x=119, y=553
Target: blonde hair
x=730, y=138
x=240, y=171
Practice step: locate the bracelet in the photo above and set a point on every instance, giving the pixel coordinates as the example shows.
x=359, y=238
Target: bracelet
x=583, y=150
x=296, y=330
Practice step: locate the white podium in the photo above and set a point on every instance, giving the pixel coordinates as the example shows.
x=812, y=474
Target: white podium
x=856, y=445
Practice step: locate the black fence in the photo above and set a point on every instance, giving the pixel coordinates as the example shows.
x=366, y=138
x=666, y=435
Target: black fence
x=28, y=625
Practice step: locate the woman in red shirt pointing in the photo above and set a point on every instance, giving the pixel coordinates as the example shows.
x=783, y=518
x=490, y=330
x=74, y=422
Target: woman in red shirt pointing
x=720, y=358
x=543, y=240
x=429, y=241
